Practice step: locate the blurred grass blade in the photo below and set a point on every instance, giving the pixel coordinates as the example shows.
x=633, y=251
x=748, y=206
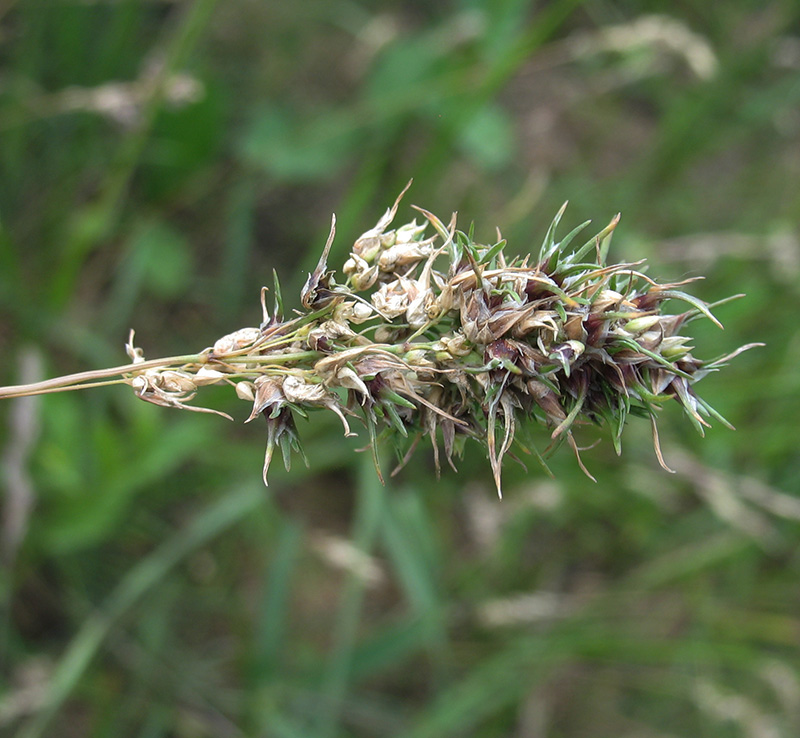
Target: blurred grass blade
x=96, y=222
x=413, y=565
x=338, y=673
x=270, y=636
x=504, y=679
x=146, y=575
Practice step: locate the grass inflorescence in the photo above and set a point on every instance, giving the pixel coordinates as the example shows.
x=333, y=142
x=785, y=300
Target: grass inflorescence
x=431, y=334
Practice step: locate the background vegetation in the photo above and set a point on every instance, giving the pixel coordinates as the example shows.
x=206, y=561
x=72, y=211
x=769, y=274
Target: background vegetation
x=159, y=157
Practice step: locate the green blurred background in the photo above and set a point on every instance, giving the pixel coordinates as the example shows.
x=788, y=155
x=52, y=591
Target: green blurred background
x=158, y=158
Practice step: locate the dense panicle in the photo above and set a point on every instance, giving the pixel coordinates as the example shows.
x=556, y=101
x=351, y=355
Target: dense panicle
x=432, y=334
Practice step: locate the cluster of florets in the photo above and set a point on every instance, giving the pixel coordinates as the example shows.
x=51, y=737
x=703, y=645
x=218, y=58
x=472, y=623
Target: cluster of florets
x=431, y=334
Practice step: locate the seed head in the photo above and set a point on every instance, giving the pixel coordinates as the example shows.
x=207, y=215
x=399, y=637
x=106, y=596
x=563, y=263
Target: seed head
x=435, y=335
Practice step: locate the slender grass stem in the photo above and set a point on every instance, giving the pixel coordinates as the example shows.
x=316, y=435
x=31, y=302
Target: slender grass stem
x=273, y=358
x=84, y=379
x=68, y=388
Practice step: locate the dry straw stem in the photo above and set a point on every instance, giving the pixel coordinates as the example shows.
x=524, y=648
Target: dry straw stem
x=431, y=334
